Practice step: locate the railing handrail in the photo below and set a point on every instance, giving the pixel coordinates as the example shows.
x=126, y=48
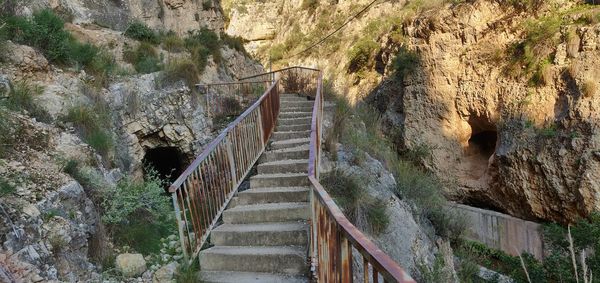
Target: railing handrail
x=188, y=171
x=377, y=258
x=231, y=83
x=279, y=71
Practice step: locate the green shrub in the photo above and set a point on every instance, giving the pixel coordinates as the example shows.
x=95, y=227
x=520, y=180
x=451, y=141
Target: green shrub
x=145, y=58
x=360, y=55
x=9, y=129
x=45, y=32
x=139, y=213
x=207, y=5
x=187, y=273
x=234, y=42
x=426, y=191
x=207, y=38
x=140, y=31
x=355, y=201
x=535, y=51
x=405, y=63
x=92, y=123
x=21, y=98
x=6, y=188
x=200, y=56
x=173, y=43
x=181, y=71
x=277, y=52
x=310, y=5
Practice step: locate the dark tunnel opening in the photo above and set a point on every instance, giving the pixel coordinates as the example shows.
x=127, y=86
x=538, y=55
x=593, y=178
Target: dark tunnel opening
x=484, y=143
x=168, y=162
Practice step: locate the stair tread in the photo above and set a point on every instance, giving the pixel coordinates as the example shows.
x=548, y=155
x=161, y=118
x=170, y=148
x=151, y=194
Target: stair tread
x=285, y=162
x=291, y=141
x=274, y=190
x=290, y=149
x=256, y=250
x=279, y=175
x=261, y=227
x=268, y=206
x=238, y=277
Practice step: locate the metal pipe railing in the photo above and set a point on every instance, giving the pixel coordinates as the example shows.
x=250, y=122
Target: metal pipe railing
x=231, y=98
x=333, y=237
x=202, y=192
x=205, y=188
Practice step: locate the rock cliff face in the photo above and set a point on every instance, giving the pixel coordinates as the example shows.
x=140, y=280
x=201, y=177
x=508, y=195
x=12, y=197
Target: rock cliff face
x=527, y=149
x=179, y=16
x=50, y=227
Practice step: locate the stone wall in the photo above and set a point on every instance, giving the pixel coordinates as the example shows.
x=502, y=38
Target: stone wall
x=503, y=232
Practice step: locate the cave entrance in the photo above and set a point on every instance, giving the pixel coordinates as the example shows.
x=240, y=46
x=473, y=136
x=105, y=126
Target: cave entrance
x=167, y=161
x=480, y=147
x=484, y=143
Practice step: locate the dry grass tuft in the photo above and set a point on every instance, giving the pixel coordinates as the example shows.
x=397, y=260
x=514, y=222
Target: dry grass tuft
x=589, y=88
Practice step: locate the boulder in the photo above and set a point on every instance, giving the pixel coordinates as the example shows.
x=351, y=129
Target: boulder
x=131, y=265
x=166, y=273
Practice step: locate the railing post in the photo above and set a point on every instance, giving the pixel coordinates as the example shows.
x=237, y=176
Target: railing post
x=178, y=217
x=260, y=127
x=346, y=259
x=231, y=160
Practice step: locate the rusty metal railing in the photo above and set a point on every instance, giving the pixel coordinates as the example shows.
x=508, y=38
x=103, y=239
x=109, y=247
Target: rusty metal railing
x=231, y=98
x=203, y=191
x=333, y=237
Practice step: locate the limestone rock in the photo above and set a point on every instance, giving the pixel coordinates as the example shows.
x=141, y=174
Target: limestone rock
x=166, y=273
x=5, y=86
x=130, y=265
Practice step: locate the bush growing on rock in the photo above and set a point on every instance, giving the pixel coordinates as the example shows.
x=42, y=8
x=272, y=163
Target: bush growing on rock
x=22, y=98
x=140, y=31
x=92, y=123
x=139, y=213
x=356, y=203
x=206, y=38
x=180, y=71
x=144, y=58
x=405, y=63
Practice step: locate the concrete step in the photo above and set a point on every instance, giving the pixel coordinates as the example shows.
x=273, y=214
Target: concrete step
x=261, y=234
x=297, y=103
x=286, y=109
x=279, y=260
x=279, y=136
x=243, y=277
x=288, y=128
x=283, y=166
x=279, y=180
x=285, y=144
x=270, y=212
x=287, y=115
x=294, y=121
x=299, y=152
x=272, y=195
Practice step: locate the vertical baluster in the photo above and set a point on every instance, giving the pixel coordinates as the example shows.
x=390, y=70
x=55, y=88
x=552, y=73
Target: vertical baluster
x=345, y=259
x=205, y=199
x=366, y=269
x=185, y=221
x=179, y=224
x=190, y=209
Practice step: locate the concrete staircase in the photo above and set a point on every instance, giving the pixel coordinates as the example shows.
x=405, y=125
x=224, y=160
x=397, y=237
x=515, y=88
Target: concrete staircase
x=264, y=237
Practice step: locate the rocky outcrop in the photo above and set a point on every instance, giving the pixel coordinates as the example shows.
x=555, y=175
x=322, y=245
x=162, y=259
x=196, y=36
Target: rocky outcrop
x=521, y=149
x=130, y=265
x=529, y=151
x=179, y=16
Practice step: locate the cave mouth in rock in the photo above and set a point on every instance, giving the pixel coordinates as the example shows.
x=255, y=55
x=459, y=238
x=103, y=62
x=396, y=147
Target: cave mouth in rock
x=480, y=147
x=484, y=143
x=167, y=161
